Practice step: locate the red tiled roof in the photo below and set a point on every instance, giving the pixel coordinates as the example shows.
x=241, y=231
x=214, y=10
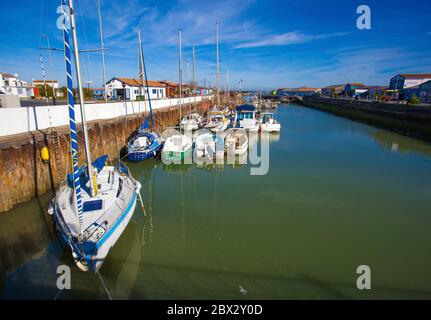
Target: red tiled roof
x=137, y=83
x=334, y=86
x=47, y=81
x=7, y=75
x=416, y=76
x=304, y=89
x=169, y=83
x=356, y=84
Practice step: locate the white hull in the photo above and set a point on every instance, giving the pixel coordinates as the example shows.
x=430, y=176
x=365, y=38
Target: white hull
x=237, y=143
x=101, y=226
x=270, y=127
x=208, y=146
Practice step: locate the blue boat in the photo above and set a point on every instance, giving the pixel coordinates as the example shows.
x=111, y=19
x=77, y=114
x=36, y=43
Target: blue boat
x=145, y=144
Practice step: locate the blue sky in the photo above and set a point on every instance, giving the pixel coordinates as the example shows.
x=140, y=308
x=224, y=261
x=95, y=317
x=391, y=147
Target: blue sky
x=268, y=44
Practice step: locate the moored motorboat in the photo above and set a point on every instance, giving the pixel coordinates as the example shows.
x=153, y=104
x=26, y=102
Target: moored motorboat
x=268, y=123
x=236, y=142
x=192, y=121
x=216, y=121
x=245, y=118
x=209, y=145
x=177, y=148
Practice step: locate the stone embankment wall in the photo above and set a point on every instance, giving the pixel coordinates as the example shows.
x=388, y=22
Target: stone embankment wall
x=413, y=121
x=23, y=174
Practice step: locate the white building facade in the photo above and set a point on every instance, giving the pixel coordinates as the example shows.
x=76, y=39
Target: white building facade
x=131, y=89
x=51, y=83
x=11, y=85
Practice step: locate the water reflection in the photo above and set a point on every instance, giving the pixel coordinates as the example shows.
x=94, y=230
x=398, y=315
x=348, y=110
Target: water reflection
x=398, y=143
x=208, y=232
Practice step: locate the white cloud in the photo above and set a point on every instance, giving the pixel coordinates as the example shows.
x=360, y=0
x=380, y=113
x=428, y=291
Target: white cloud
x=289, y=38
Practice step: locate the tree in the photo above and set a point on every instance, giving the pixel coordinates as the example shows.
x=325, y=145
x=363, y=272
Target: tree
x=45, y=93
x=414, y=99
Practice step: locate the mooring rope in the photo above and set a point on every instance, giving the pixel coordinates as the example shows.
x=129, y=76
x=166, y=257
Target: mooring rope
x=104, y=285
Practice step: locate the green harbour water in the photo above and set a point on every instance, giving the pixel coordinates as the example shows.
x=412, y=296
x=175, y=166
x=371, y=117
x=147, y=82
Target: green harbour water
x=338, y=194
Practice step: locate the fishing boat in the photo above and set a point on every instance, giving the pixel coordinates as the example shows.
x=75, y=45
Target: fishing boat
x=96, y=204
x=145, y=144
x=268, y=123
x=236, y=142
x=209, y=145
x=178, y=147
x=246, y=118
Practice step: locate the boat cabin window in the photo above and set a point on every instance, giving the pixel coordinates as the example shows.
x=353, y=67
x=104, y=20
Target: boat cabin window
x=92, y=205
x=245, y=115
x=267, y=117
x=141, y=142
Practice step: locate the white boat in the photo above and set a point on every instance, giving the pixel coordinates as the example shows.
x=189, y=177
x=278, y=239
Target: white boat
x=192, y=121
x=236, y=142
x=245, y=118
x=92, y=210
x=216, y=121
x=177, y=148
x=209, y=145
x=268, y=123
x=92, y=228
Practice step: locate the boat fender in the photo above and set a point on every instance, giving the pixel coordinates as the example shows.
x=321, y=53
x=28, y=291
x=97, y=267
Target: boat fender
x=44, y=154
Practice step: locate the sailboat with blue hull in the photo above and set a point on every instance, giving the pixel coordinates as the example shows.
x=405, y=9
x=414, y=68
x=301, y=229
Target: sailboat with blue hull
x=96, y=204
x=145, y=144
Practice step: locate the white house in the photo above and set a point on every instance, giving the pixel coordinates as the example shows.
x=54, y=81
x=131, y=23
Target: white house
x=51, y=83
x=129, y=89
x=11, y=85
x=404, y=81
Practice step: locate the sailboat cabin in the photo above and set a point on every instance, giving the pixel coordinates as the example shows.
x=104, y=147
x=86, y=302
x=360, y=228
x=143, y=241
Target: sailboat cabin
x=131, y=89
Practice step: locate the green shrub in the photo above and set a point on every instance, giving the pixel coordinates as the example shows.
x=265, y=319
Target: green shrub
x=414, y=99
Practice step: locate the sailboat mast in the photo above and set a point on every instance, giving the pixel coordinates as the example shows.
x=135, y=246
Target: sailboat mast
x=146, y=80
x=81, y=97
x=102, y=46
x=218, y=68
x=180, y=68
x=72, y=122
x=190, y=85
x=141, y=71
x=194, y=76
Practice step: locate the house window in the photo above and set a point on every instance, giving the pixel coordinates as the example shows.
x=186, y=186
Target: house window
x=136, y=91
x=154, y=91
